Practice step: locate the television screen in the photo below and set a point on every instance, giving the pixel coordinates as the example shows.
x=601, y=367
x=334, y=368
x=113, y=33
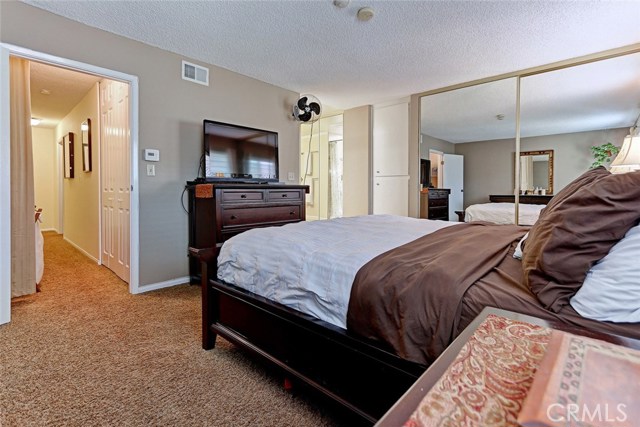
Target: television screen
x=240, y=153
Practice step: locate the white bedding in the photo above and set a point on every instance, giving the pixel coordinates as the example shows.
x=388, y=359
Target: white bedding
x=503, y=213
x=310, y=266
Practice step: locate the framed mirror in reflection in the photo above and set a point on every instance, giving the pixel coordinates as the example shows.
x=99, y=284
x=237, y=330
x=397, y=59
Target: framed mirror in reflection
x=67, y=146
x=85, y=127
x=536, y=172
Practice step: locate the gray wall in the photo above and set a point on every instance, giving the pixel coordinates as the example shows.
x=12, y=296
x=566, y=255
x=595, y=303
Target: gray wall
x=170, y=114
x=431, y=143
x=488, y=169
x=357, y=161
x=489, y=165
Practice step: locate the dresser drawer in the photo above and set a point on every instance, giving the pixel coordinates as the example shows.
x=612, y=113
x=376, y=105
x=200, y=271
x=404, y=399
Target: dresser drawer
x=242, y=196
x=275, y=195
x=239, y=217
x=438, y=194
x=438, y=202
x=440, y=212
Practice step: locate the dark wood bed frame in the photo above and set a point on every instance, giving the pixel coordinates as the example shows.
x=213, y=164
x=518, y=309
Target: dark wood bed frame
x=360, y=374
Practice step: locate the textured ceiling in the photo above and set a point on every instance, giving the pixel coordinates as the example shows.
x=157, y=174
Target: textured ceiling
x=598, y=95
x=408, y=47
x=66, y=89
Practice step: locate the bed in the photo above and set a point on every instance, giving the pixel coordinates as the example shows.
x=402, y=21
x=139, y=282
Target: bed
x=408, y=303
x=503, y=213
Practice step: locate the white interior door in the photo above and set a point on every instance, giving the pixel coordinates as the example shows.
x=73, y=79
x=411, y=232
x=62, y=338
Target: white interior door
x=453, y=179
x=391, y=140
x=115, y=176
x=391, y=195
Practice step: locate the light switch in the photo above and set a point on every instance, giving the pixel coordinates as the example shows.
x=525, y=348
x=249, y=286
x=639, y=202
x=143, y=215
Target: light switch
x=151, y=170
x=291, y=176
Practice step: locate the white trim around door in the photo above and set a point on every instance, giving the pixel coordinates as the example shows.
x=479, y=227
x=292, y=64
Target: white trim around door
x=5, y=205
x=5, y=198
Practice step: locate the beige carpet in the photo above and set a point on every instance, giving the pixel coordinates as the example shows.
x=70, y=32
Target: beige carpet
x=85, y=352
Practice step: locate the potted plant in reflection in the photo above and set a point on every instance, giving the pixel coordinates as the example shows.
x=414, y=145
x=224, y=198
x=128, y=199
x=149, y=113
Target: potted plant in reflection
x=602, y=154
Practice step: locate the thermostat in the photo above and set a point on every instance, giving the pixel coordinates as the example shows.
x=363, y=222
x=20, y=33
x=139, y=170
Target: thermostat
x=151, y=155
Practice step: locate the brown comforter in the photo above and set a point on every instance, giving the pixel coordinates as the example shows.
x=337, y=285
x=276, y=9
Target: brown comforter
x=411, y=296
x=420, y=296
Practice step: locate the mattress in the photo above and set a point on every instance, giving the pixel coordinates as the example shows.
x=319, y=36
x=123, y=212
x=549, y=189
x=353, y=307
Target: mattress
x=310, y=266
x=503, y=213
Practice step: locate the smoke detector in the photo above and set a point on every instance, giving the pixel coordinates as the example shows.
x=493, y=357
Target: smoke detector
x=365, y=14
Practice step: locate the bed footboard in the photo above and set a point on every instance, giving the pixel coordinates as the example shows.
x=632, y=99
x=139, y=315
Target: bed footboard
x=359, y=374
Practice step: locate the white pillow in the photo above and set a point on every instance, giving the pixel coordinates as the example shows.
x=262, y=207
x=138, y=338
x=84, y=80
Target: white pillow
x=611, y=290
x=517, y=254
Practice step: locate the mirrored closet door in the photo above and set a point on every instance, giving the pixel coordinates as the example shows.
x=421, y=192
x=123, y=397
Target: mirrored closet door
x=573, y=109
x=321, y=166
x=568, y=114
x=478, y=125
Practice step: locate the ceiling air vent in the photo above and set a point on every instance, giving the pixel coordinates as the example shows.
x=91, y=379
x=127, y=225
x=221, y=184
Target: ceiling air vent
x=195, y=73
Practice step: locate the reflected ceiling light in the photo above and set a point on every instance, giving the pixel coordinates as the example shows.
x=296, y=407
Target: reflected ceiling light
x=341, y=3
x=365, y=13
x=35, y=121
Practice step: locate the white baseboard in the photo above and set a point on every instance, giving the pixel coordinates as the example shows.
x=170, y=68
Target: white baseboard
x=166, y=284
x=49, y=229
x=81, y=250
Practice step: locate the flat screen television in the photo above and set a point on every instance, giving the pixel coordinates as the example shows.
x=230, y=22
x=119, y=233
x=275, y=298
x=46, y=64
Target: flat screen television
x=239, y=153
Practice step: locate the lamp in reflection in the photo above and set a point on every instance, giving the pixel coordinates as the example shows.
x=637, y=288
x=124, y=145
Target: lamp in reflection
x=628, y=159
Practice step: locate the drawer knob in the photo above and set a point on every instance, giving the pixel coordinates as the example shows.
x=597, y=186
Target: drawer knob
x=292, y=213
x=243, y=196
x=234, y=217
x=284, y=195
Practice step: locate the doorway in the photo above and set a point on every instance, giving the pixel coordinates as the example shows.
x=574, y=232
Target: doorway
x=132, y=115
x=435, y=157
x=88, y=118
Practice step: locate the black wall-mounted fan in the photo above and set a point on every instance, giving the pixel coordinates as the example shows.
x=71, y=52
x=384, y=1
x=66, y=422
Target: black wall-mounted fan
x=307, y=109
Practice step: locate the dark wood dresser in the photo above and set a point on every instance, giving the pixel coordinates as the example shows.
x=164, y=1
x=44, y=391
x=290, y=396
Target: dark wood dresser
x=529, y=199
x=218, y=212
x=434, y=203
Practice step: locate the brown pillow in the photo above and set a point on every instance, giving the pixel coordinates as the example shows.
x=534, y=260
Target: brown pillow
x=576, y=231
x=584, y=179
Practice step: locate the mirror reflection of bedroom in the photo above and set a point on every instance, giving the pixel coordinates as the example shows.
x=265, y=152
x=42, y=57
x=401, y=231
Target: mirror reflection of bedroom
x=321, y=167
x=563, y=114
x=62, y=181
